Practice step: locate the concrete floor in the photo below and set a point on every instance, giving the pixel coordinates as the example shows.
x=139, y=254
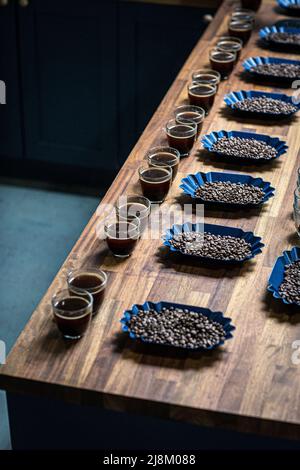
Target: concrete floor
x=38, y=229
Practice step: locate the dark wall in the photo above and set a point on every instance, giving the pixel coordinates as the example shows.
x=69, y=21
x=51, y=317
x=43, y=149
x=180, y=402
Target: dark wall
x=83, y=79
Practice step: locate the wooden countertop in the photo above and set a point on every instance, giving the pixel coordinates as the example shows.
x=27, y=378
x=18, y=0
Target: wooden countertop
x=250, y=384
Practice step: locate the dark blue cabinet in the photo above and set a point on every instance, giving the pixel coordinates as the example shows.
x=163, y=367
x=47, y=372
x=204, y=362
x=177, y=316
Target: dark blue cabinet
x=69, y=66
x=11, y=145
x=155, y=41
x=84, y=77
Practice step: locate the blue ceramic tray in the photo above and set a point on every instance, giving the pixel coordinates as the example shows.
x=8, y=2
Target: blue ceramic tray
x=192, y=182
x=236, y=96
x=158, y=306
x=265, y=32
x=208, y=141
x=252, y=62
x=249, y=237
x=277, y=275
x=290, y=6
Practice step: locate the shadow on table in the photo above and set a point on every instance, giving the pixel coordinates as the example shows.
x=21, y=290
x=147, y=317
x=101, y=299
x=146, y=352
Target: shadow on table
x=230, y=115
x=164, y=356
x=280, y=311
x=220, y=211
x=210, y=158
x=215, y=269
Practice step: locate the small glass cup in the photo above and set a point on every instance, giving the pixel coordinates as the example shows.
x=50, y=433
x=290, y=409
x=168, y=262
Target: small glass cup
x=187, y=113
x=164, y=156
x=202, y=95
x=89, y=279
x=230, y=45
x=240, y=29
x=133, y=205
x=243, y=14
x=181, y=136
x=298, y=177
x=155, y=182
x=297, y=197
x=297, y=219
x=72, y=312
x=208, y=76
x=122, y=236
x=222, y=61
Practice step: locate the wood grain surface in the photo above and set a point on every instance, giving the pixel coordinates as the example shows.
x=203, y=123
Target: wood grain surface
x=250, y=384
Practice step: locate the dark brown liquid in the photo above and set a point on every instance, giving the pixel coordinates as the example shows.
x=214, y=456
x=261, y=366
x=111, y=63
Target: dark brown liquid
x=90, y=282
x=206, y=78
x=230, y=46
x=155, y=192
x=71, y=323
x=165, y=159
x=198, y=97
x=190, y=116
x=239, y=32
x=121, y=246
x=223, y=66
x=251, y=4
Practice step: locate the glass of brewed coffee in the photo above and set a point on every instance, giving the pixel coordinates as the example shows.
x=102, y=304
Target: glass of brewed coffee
x=72, y=312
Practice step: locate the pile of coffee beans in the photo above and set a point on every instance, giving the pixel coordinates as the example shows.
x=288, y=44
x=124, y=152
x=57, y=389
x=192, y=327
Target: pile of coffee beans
x=284, y=38
x=244, y=148
x=177, y=327
x=208, y=245
x=265, y=105
x=290, y=287
x=280, y=70
x=231, y=193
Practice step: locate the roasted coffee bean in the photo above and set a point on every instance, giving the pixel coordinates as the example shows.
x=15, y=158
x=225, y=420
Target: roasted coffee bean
x=265, y=105
x=208, y=245
x=231, y=193
x=280, y=70
x=284, y=38
x=289, y=289
x=244, y=148
x=177, y=327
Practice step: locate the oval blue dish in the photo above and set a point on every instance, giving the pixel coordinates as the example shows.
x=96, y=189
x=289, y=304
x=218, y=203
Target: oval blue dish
x=209, y=140
x=249, y=237
x=158, y=306
x=291, y=6
x=252, y=62
x=237, y=96
x=277, y=275
x=191, y=183
x=265, y=32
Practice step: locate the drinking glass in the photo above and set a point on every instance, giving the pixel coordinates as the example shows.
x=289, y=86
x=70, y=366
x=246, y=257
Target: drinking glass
x=240, y=29
x=222, y=61
x=181, y=136
x=187, y=113
x=122, y=236
x=297, y=219
x=164, y=156
x=72, y=312
x=155, y=182
x=202, y=95
x=133, y=205
x=208, y=76
x=90, y=279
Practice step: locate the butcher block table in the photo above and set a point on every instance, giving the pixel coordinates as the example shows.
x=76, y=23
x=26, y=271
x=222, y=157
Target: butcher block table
x=251, y=383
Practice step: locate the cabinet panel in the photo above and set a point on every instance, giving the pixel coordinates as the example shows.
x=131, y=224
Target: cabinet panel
x=10, y=113
x=68, y=59
x=155, y=40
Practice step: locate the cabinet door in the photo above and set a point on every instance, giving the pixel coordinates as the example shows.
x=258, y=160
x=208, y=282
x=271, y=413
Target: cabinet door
x=10, y=113
x=155, y=41
x=68, y=62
